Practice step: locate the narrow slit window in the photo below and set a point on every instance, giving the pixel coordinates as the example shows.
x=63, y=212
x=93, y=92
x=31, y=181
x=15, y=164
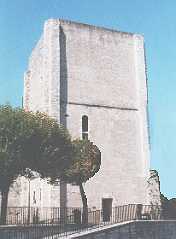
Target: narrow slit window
x=34, y=198
x=85, y=127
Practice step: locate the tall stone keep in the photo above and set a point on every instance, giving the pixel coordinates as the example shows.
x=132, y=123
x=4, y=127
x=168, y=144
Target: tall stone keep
x=93, y=80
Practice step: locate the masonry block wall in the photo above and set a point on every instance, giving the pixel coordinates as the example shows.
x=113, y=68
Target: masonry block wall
x=154, y=188
x=133, y=230
x=78, y=70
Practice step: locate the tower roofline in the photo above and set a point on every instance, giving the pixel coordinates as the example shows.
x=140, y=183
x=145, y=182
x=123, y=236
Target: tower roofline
x=100, y=28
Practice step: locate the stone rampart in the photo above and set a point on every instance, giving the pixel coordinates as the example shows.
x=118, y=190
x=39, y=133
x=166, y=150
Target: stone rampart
x=132, y=230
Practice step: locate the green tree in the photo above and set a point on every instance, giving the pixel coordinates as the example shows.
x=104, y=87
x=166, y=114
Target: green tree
x=26, y=139
x=168, y=207
x=86, y=163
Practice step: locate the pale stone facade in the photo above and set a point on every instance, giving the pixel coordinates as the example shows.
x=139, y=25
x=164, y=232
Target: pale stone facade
x=78, y=70
x=36, y=193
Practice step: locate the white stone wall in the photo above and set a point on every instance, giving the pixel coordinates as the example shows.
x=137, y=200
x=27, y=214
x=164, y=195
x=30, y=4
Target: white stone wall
x=39, y=192
x=42, y=194
x=100, y=73
x=100, y=66
x=41, y=91
x=15, y=194
x=33, y=93
x=116, y=133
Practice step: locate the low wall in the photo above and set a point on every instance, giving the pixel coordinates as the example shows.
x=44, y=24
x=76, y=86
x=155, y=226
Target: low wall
x=28, y=232
x=132, y=230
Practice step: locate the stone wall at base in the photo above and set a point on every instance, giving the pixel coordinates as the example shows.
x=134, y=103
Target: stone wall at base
x=133, y=230
x=154, y=188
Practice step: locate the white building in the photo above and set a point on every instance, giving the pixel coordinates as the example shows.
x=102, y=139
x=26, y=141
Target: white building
x=80, y=73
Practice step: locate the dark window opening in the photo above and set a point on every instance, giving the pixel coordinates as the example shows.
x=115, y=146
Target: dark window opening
x=34, y=198
x=85, y=127
x=107, y=209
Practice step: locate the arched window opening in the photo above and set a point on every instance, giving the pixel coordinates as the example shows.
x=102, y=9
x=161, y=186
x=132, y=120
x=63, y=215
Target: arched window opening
x=85, y=127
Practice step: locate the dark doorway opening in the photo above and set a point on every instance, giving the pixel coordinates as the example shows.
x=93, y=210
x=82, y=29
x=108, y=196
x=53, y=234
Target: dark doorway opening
x=107, y=209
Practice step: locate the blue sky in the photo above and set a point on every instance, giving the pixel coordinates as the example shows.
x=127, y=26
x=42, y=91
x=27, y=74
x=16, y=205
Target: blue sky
x=21, y=23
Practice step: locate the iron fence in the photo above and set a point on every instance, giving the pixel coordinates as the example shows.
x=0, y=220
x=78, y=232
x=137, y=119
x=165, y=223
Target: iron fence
x=39, y=215
x=50, y=222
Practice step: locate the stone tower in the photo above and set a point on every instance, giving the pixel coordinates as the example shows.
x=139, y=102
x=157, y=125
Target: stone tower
x=93, y=81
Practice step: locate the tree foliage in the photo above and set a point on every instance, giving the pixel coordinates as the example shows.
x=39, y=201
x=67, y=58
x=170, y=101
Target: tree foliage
x=28, y=140
x=86, y=163
x=168, y=207
x=37, y=142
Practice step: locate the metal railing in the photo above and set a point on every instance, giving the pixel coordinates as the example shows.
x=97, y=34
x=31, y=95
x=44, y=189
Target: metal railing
x=38, y=215
x=49, y=222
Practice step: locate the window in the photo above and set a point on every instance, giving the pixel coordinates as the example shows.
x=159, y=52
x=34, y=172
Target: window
x=85, y=127
x=34, y=198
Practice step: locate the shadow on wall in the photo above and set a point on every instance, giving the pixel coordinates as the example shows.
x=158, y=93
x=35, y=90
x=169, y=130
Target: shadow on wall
x=63, y=107
x=63, y=79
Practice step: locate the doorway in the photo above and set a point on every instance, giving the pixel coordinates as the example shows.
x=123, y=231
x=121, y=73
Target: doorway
x=107, y=209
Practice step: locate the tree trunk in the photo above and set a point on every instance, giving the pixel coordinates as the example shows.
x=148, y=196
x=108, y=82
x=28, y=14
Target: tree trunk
x=85, y=206
x=4, y=201
x=63, y=202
